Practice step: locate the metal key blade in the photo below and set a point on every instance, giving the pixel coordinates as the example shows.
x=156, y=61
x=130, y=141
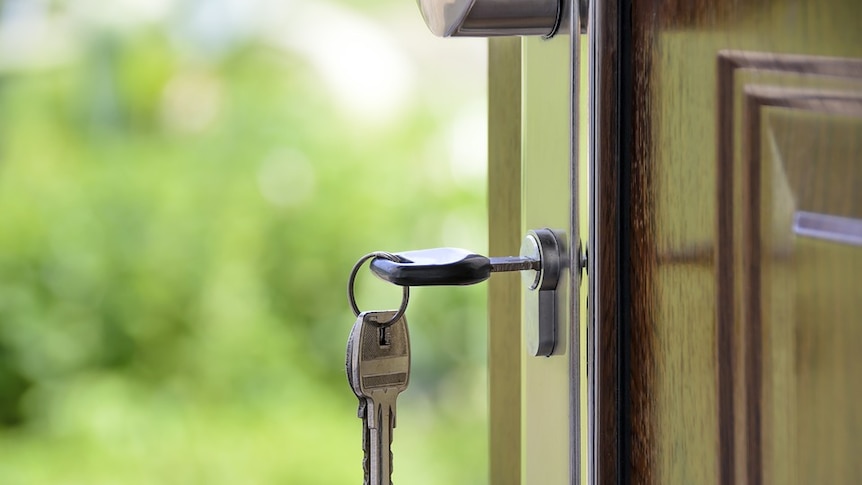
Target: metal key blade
x=362, y=411
x=381, y=443
x=366, y=442
x=381, y=371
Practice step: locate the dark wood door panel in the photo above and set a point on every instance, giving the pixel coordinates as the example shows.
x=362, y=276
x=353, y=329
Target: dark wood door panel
x=741, y=194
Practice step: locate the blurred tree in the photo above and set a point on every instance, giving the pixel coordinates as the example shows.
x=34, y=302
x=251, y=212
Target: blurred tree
x=179, y=208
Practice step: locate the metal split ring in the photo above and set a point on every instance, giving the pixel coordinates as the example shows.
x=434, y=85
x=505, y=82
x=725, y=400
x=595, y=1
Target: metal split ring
x=351, y=296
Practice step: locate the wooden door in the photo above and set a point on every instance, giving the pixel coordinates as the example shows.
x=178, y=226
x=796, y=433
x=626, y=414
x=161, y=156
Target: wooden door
x=727, y=341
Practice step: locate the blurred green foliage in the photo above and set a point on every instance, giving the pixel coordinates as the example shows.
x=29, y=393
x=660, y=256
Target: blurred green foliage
x=176, y=229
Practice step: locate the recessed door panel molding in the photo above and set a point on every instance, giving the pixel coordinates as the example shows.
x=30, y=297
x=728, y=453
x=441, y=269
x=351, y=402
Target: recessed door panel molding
x=802, y=156
x=795, y=167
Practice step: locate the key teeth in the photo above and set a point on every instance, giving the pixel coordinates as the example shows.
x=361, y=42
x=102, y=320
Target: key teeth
x=366, y=462
x=366, y=441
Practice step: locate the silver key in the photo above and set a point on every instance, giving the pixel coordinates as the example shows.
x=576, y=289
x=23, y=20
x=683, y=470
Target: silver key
x=361, y=411
x=379, y=370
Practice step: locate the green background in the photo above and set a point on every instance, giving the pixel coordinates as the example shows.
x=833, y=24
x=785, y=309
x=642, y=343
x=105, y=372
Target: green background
x=184, y=187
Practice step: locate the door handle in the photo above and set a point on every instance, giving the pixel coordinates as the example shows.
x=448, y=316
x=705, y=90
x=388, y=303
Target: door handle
x=493, y=18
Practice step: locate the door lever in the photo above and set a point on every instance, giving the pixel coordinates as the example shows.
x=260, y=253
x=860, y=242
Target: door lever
x=493, y=18
x=542, y=253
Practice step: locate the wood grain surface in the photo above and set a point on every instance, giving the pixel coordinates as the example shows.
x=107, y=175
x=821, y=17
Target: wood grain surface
x=604, y=298
x=735, y=332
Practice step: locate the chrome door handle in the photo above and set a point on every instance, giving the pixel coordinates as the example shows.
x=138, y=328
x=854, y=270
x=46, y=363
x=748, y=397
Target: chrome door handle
x=493, y=18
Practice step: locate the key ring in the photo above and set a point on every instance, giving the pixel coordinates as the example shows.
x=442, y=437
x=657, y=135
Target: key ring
x=351, y=297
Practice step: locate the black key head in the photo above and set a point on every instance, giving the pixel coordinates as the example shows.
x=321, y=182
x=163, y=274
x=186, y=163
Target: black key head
x=434, y=267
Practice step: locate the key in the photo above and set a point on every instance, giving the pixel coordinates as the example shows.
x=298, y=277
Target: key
x=378, y=370
x=361, y=411
x=544, y=259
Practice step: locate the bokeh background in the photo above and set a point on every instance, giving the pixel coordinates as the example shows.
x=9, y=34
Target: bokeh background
x=184, y=187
